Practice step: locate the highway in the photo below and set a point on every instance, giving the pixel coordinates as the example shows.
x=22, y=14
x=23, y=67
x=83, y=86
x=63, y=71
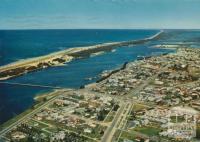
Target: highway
x=110, y=131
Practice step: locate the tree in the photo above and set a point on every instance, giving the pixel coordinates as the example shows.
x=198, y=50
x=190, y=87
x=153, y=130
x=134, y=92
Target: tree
x=116, y=107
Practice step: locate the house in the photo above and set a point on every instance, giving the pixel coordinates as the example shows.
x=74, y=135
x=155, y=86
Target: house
x=87, y=130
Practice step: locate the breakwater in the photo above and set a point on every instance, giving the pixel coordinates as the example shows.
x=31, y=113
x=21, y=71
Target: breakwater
x=112, y=72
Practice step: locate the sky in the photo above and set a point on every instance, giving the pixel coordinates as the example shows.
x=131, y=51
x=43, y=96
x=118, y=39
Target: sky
x=99, y=14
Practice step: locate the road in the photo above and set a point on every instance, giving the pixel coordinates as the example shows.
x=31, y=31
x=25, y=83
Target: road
x=24, y=118
x=124, y=116
x=136, y=91
x=110, y=131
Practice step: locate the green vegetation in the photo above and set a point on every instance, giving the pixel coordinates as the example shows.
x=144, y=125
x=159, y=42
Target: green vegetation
x=110, y=117
x=97, y=132
x=78, y=97
x=117, y=135
x=115, y=108
x=127, y=135
x=138, y=107
x=72, y=137
x=198, y=132
x=37, y=124
x=148, y=130
x=31, y=133
x=52, y=129
x=102, y=114
x=179, y=119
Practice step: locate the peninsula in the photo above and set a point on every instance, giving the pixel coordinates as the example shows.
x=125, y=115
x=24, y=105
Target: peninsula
x=58, y=58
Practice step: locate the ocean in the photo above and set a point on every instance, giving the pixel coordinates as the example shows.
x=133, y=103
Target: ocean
x=21, y=44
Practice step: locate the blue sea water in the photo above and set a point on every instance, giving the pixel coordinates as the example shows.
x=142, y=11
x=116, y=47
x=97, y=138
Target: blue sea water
x=189, y=37
x=16, y=45
x=22, y=44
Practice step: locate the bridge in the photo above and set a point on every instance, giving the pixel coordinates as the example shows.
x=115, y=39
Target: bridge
x=32, y=85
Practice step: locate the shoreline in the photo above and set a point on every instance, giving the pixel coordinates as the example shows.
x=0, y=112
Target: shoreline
x=112, y=72
x=52, y=93
x=39, y=99
x=47, y=97
x=105, y=75
x=65, y=56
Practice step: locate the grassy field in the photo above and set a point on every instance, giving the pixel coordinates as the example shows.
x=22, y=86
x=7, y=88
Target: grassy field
x=147, y=130
x=179, y=119
x=131, y=135
x=138, y=107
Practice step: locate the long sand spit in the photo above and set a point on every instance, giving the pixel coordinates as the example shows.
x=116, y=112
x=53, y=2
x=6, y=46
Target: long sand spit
x=57, y=58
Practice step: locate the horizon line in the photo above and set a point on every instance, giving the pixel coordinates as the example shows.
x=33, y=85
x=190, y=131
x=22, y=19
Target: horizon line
x=101, y=29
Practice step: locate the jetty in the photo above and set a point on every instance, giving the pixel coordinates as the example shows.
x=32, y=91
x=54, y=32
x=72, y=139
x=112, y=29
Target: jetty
x=31, y=85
